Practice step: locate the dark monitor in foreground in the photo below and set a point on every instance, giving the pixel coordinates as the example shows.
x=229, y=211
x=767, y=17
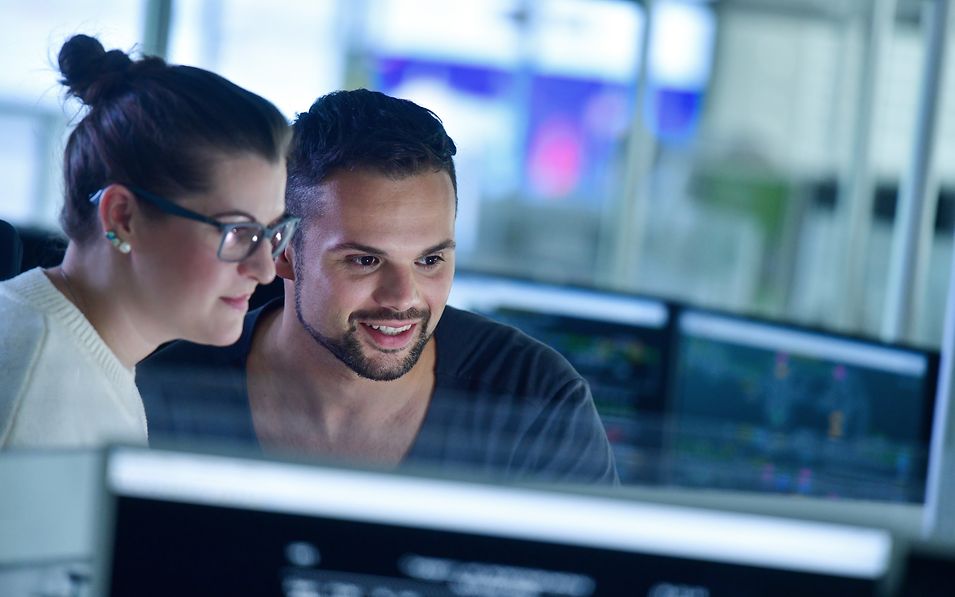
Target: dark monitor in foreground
x=765, y=407
x=617, y=342
x=185, y=523
x=927, y=570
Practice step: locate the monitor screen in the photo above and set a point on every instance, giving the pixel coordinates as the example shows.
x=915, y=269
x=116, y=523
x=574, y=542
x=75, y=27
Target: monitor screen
x=617, y=342
x=766, y=407
x=221, y=525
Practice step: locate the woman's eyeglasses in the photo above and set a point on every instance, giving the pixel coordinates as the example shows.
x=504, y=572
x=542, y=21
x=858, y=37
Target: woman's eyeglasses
x=239, y=239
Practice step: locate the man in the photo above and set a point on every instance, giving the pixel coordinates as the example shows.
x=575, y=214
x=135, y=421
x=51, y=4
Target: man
x=362, y=360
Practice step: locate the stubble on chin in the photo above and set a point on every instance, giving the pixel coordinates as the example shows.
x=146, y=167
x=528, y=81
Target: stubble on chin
x=348, y=348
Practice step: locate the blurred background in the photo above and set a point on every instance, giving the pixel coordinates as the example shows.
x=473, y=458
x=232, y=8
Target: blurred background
x=741, y=154
x=734, y=217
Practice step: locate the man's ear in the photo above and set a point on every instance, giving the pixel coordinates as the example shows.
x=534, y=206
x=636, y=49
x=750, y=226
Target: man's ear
x=284, y=264
x=116, y=212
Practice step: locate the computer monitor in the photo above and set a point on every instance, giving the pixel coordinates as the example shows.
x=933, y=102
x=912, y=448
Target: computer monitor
x=618, y=342
x=927, y=570
x=767, y=407
x=206, y=524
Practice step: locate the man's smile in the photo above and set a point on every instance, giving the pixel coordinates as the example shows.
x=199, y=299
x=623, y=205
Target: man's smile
x=391, y=336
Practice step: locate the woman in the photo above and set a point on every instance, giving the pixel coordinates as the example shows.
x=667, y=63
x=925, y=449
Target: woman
x=174, y=208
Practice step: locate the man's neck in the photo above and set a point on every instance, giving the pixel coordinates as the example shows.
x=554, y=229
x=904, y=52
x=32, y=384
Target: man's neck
x=303, y=397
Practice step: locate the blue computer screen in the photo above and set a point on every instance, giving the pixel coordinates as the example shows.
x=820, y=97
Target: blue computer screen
x=765, y=407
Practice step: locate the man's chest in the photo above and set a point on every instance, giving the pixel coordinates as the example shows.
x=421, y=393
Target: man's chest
x=298, y=421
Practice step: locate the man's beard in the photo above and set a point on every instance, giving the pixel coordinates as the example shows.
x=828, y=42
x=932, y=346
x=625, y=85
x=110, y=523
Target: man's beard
x=347, y=349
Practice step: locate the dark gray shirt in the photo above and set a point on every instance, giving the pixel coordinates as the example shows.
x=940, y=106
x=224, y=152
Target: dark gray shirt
x=504, y=404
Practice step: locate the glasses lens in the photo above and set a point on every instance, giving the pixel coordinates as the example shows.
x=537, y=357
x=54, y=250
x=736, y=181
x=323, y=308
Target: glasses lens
x=239, y=241
x=281, y=236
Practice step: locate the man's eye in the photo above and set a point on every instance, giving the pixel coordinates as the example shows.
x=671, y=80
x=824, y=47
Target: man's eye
x=431, y=260
x=366, y=260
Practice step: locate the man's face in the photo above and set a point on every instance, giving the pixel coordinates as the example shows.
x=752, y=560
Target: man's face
x=373, y=271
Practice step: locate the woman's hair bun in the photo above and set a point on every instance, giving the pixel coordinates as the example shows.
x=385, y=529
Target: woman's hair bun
x=90, y=72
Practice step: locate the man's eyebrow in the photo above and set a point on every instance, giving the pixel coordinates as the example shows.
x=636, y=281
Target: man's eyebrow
x=442, y=246
x=357, y=247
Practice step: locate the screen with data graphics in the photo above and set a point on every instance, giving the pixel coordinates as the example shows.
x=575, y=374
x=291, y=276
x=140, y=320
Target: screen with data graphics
x=765, y=407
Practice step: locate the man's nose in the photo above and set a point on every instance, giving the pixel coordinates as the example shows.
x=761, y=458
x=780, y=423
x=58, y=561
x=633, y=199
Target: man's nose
x=397, y=289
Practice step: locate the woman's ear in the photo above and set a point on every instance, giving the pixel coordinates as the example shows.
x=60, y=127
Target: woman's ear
x=116, y=211
x=284, y=263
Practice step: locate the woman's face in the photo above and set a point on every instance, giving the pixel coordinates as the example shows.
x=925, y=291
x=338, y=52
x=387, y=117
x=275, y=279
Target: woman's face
x=183, y=288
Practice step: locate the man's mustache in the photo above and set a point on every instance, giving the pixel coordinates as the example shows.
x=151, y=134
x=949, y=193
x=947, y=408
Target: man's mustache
x=389, y=315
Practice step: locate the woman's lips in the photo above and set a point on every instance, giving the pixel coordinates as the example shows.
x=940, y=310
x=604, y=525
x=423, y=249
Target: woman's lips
x=239, y=303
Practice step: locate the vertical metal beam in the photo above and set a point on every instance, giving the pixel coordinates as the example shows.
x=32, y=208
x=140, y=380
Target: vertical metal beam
x=156, y=23
x=624, y=222
x=855, y=201
x=911, y=225
x=939, y=517
x=50, y=135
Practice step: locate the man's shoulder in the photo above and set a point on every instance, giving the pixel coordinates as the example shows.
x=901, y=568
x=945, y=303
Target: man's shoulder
x=182, y=353
x=475, y=348
x=185, y=354
x=471, y=334
x=197, y=392
x=184, y=375
x=521, y=400
x=181, y=368
x=183, y=365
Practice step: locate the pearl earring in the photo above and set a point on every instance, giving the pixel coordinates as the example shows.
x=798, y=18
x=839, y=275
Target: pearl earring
x=119, y=244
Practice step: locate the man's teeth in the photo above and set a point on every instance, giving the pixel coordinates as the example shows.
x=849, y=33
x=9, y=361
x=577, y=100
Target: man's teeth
x=384, y=329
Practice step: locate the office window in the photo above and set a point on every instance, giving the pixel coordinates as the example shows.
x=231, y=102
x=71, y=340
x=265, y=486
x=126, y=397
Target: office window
x=722, y=181
x=32, y=118
x=292, y=61
x=538, y=97
x=19, y=167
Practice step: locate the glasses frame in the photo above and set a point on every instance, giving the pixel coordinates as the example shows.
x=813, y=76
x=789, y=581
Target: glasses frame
x=262, y=231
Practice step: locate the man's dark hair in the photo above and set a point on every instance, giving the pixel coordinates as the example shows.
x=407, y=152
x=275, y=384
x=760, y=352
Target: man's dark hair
x=362, y=129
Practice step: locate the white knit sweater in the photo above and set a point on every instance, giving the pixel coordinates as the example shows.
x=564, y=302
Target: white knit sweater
x=60, y=385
